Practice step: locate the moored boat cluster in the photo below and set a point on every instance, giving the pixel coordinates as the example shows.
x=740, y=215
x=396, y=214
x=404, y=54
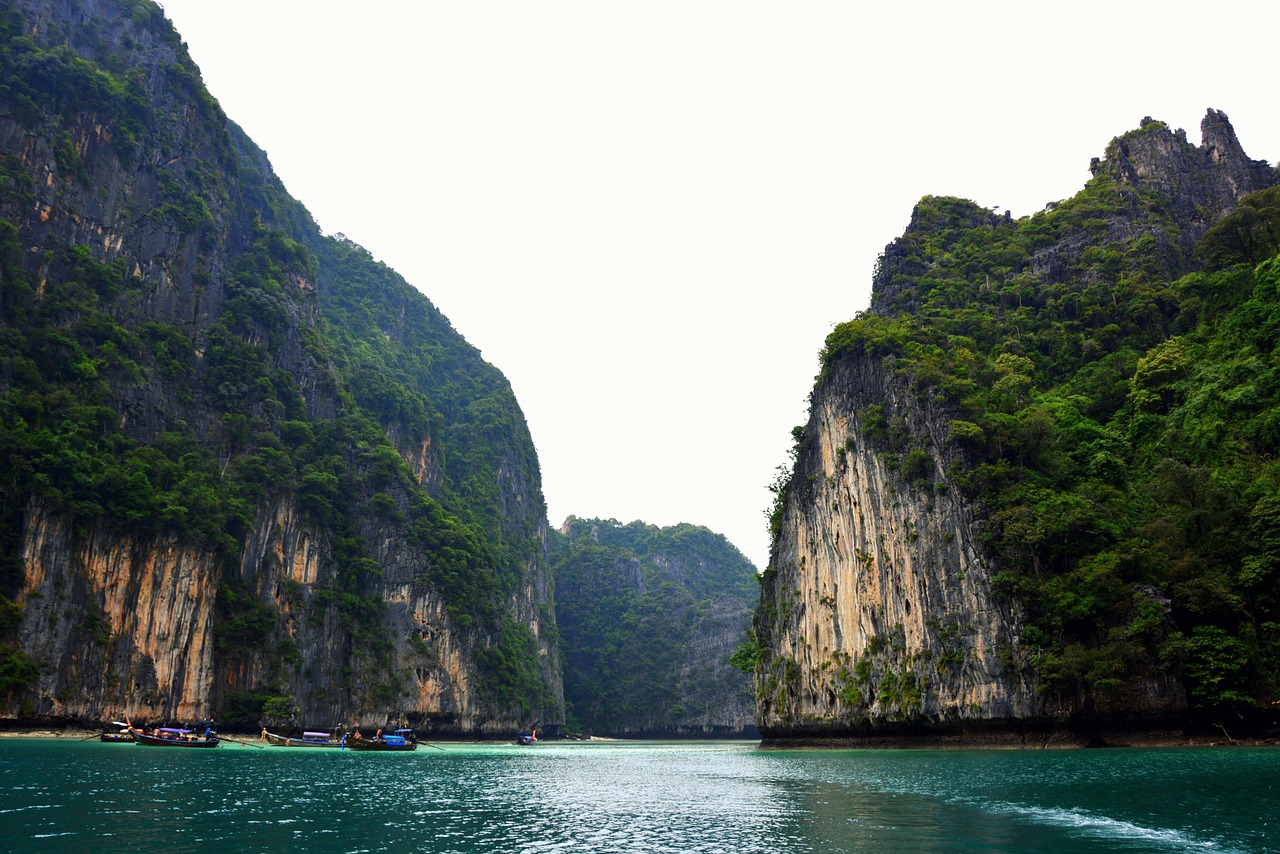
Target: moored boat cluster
x=203, y=734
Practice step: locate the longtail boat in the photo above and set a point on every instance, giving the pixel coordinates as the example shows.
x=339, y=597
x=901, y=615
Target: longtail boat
x=308, y=739
x=174, y=737
x=123, y=736
x=402, y=739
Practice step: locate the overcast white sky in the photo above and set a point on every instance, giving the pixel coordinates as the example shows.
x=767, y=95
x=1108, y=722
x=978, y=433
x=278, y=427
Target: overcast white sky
x=649, y=215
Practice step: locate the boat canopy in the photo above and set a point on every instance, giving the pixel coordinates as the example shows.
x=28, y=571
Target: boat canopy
x=173, y=729
x=310, y=734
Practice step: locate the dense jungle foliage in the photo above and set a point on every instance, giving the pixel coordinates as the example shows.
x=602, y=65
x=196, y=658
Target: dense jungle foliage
x=113, y=417
x=631, y=601
x=408, y=369
x=1119, y=423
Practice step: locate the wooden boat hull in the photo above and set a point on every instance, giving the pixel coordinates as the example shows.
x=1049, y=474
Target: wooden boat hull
x=156, y=741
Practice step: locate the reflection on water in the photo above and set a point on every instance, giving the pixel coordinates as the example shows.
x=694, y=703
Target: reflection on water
x=62, y=796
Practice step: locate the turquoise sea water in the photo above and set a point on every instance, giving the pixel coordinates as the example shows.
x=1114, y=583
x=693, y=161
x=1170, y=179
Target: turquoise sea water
x=58, y=795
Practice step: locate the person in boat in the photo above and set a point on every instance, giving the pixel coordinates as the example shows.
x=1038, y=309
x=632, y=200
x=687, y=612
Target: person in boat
x=378, y=735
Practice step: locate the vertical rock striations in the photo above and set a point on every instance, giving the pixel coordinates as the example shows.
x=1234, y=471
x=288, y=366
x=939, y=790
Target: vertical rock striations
x=877, y=614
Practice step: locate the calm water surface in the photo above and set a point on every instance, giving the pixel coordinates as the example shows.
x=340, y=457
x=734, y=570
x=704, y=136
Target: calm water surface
x=58, y=795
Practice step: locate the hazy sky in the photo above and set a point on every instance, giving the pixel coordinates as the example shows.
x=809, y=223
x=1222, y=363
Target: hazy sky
x=649, y=215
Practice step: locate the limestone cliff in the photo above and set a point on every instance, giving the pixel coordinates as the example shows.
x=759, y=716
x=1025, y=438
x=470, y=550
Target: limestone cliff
x=876, y=610
x=649, y=619
x=912, y=547
x=249, y=470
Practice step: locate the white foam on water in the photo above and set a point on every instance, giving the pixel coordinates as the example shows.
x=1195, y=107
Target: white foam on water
x=28, y=808
x=1105, y=827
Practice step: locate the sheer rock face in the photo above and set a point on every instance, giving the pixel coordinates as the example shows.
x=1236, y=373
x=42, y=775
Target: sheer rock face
x=713, y=693
x=128, y=624
x=718, y=693
x=149, y=612
x=877, y=612
x=127, y=627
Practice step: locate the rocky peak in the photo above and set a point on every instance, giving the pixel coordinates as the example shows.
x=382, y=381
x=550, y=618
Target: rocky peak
x=1151, y=184
x=1218, y=137
x=1221, y=146
x=1202, y=183
x=945, y=219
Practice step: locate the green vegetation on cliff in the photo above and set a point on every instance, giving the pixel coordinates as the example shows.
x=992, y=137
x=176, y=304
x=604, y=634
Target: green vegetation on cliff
x=648, y=620
x=407, y=368
x=1115, y=395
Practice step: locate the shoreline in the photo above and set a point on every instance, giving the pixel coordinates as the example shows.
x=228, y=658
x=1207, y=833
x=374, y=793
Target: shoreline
x=986, y=741
x=1018, y=741
x=84, y=734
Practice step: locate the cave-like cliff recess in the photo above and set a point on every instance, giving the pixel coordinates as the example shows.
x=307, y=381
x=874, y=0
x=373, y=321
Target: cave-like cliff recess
x=1037, y=489
x=245, y=469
